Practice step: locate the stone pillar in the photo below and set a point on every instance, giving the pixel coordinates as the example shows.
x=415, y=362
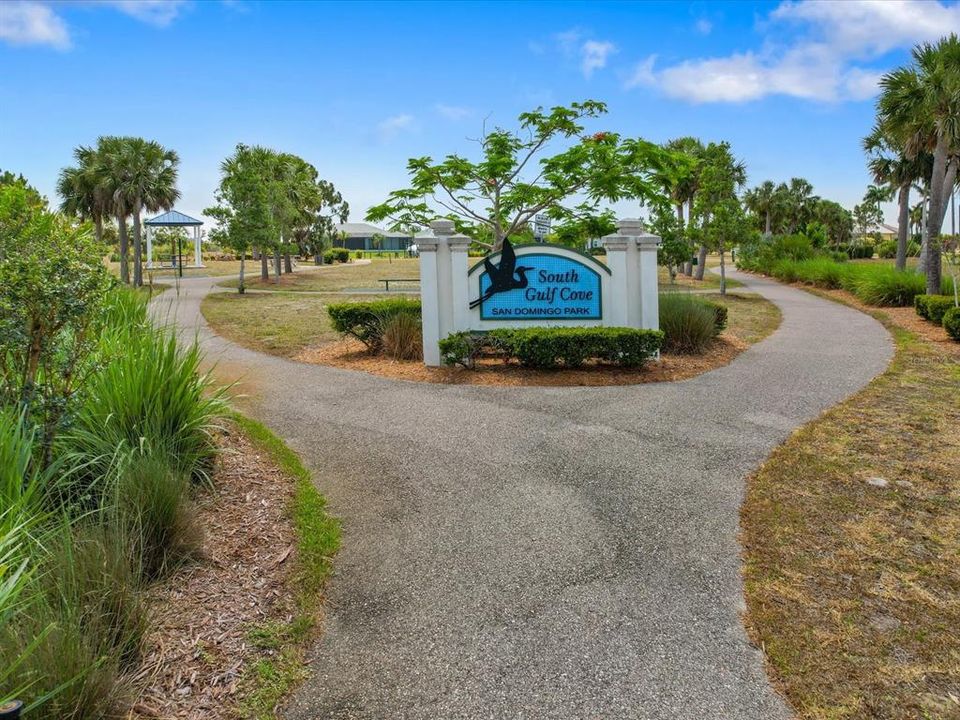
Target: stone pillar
x=615, y=314
x=443, y=230
x=149, y=247
x=649, y=281
x=459, y=246
x=429, y=298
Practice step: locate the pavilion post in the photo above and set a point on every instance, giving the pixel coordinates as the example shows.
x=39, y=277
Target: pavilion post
x=197, y=258
x=149, y=247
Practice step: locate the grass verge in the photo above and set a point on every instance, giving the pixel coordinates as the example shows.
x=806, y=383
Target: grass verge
x=851, y=534
x=318, y=536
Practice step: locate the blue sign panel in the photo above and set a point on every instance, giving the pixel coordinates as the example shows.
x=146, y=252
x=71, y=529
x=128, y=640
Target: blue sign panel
x=543, y=286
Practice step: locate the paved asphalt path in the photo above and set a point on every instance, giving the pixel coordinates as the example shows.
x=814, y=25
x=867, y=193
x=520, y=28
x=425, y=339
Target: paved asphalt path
x=546, y=552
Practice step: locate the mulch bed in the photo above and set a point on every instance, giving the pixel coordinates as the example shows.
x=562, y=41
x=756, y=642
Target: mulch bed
x=197, y=648
x=352, y=355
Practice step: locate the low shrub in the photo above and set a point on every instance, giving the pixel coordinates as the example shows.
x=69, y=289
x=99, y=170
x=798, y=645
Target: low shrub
x=366, y=321
x=550, y=348
x=341, y=255
x=688, y=322
x=152, y=505
x=720, y=314
x=861, y=251
x=596, y=251
x=402, y=337
x=150, y=398
x=951, y=323
x=887, y=249
x=933, y=307
x=885, y=286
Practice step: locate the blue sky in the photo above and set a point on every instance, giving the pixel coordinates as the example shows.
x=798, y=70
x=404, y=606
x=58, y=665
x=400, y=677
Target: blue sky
x=358, y=88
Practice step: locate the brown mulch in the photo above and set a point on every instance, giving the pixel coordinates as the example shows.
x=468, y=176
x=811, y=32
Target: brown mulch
x=200, y=615
x=352, y=355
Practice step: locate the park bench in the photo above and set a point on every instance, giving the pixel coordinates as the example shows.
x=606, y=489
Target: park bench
x=387, y=281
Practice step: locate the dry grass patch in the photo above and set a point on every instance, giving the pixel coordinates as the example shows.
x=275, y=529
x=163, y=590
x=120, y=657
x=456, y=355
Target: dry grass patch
x=851, y=532
x=340, y=277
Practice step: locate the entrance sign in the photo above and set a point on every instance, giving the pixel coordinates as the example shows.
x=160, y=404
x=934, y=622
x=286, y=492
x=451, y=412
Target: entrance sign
x=548, y=286
x=538, y=284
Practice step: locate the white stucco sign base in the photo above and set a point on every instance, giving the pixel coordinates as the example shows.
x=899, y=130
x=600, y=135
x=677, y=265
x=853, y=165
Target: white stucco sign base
x=548, y=285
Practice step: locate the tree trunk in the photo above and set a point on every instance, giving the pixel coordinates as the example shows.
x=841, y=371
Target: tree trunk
x=701, y=262
x=98, y=228
x=767, y=231
x=256, y=253
x=124, y=247
x=137, y=248
x=276, y=265
x=264, y=270
x=287, y=263
x=903, y=222
x=723, y=273
x=935, y=214
x=241, y=288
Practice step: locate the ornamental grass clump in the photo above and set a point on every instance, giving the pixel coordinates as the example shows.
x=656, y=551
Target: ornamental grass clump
x=402, y=337
x=688, y=323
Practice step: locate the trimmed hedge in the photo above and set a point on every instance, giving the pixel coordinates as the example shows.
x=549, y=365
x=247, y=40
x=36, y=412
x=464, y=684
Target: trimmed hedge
x=951, y=323
x=366, y=320
x=863, y=251
x=933, y=307
x=341, y=255
x=549, y=348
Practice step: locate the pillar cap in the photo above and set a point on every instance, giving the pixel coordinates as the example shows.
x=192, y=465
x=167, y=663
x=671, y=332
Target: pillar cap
x=631, y=226
x=459, y=241
x=442, y=226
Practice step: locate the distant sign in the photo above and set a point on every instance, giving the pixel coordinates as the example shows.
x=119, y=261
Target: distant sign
x=541, y=227
x=546, y=286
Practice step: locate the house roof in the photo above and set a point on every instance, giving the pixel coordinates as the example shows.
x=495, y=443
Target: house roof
x=367, y=230
x=882, y=229
x=173, y=219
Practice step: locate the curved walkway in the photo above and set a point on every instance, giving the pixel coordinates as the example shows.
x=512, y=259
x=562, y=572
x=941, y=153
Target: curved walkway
x=547, y=552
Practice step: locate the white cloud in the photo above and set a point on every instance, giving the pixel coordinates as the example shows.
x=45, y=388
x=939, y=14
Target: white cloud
x=824, y=60
x=32, y=23
x=642, y=74
x=153, y=12
x=453, y=112
x=594, y=54
x=703, y=26
x=390, y=127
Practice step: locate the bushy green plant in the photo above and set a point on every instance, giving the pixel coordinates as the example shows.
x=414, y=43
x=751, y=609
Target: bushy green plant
x=933, y=307
x=341, y=255
x=861, y=251
x=887, y=249
x=89, y=616
x=688, y=323
x=951, y=323
x=152, y=506
x=365, y=321
x=720, y=317
x=150, y=398
x=884, y=286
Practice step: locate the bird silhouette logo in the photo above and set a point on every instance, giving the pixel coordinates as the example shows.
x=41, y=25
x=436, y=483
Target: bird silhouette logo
x=507, y=276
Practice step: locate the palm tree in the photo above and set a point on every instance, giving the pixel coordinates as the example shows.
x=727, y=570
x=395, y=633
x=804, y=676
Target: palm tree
x=919, y=109
x=761, y=201
x=81, y=195
x=137, y=175
x=683, y=188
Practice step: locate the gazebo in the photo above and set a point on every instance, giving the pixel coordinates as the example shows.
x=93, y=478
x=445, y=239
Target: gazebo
x=177, y=220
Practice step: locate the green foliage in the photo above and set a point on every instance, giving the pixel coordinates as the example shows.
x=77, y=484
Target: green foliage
x=689, y=323
x=951, y=323
x=365, y=321
x=149, y=398
x=577, y=233
x=674, y=247
x=512, y=181
x=862, y=250
x=933, y=307
x=548, y=348
x=887, y=250
x=720, y=316
x=884, y=286
x=341, y=255
x=52, y=284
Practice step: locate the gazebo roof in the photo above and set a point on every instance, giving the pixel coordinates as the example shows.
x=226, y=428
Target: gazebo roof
x=173, y=219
